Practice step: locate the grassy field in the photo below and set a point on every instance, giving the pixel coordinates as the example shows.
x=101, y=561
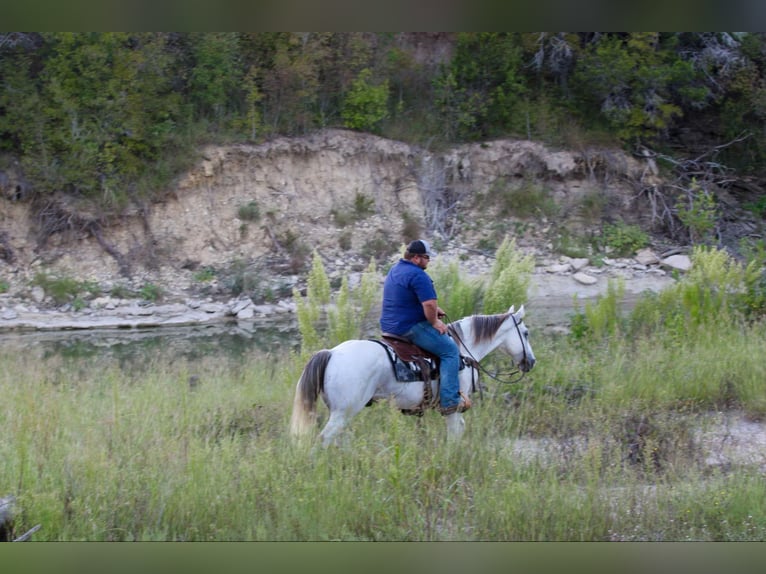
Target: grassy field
x=597, y=443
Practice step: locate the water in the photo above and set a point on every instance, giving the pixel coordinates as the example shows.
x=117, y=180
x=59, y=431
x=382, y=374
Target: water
x=131, y=348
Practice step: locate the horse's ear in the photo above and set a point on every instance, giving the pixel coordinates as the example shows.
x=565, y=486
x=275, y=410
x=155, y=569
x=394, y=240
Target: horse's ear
x=512, y=310
x=520, y=313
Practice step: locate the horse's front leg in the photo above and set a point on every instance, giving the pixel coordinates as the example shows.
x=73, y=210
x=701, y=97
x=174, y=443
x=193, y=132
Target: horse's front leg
x=455, y=426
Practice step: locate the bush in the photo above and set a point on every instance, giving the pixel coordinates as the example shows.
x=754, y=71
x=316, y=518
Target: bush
x=458, y=297
x=150, y=292
x=509, y=279
x=623, y=239
x=64, y=289
x=249, y=212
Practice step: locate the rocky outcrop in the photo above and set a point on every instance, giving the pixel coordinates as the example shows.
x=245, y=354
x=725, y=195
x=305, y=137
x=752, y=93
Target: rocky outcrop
x=344, y=194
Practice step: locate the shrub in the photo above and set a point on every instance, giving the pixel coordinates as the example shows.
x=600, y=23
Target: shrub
x=717, y=289
x=346, y=313
x=249, y=211
x=205, y=274
x=458, y=297
x=509, y=279
x=601, y=319
x=64, y=289
x=150, y=292
x=623, y=239
x=698, y=213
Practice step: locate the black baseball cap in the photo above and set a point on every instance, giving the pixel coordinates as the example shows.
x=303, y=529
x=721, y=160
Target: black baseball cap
x=420, y=247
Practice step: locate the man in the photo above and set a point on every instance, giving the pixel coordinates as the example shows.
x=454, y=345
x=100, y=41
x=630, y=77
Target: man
x=410, y=310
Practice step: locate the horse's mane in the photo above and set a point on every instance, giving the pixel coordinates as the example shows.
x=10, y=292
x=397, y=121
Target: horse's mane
x=484, y=327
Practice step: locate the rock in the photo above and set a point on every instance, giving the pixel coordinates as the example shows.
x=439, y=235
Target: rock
x=246, y=312
x=9, y=314
x=646, y=257
x=559, y=268
x=580, y=263
x=584, y=278
x=38, y=294
x=678, y=262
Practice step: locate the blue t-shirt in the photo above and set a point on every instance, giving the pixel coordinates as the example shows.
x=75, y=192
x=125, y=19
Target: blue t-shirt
x=405, y=289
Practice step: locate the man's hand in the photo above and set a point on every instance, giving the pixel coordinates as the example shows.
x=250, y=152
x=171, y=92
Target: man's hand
x=432, y=312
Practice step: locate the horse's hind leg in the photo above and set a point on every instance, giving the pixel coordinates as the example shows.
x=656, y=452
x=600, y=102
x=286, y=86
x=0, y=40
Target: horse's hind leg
x=334, y=426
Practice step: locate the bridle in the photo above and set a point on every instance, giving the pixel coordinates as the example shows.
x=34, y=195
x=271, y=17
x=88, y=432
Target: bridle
x=517, y=371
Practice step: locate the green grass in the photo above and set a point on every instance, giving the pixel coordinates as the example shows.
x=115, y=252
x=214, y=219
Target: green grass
x=94, y=452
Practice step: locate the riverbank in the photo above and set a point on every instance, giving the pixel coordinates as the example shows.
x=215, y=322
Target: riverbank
x=554, y=291
x=557, y=286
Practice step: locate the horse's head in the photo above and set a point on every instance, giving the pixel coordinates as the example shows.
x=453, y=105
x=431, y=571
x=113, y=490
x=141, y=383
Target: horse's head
x=516, y=342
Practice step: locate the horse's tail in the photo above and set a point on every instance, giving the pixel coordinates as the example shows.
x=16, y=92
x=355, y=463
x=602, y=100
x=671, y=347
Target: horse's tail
x=307, y=391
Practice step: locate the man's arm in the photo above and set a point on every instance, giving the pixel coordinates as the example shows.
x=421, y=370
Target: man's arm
x=432, y=312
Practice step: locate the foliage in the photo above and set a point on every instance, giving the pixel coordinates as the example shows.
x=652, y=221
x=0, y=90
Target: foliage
x=718, y=292
x=366, y=105
x=458, y=296
x=635, y=83
x=205, y=274
x=602, y=319
x=527, y=199
x=363, y=207
x=64, y=289
x=98, y=114
x=479, y=92
x=249, y=212
x=107, y=119
x=215, y=73
x=622, y=239
x=150, y=292
x=346, y=313
x=697, y=211
x=597, y=446
x=509, y=279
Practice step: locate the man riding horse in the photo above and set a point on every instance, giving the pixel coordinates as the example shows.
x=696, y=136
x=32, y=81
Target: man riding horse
x=410, y=311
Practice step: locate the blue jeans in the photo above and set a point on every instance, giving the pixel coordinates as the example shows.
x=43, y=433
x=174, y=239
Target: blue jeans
x=425, y=336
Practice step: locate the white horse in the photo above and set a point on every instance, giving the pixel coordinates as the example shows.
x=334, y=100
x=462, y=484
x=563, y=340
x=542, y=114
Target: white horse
x=356, y=372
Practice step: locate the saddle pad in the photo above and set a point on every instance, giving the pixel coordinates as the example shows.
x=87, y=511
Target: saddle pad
x=409, y=362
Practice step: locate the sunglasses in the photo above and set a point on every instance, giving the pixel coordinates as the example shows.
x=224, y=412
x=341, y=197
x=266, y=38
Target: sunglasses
x=424, y=256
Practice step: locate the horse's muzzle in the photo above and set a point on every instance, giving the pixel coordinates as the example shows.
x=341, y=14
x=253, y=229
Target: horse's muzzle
x=527, y=365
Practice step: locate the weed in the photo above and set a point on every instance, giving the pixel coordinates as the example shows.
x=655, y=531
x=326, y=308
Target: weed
x=150, y=292
x=622, y=239
x=249, y=212
x=204, y=275
x=64, y=289
x=697, y=211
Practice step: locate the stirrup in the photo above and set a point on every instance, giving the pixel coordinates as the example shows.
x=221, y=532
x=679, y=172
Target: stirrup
x=463, y=405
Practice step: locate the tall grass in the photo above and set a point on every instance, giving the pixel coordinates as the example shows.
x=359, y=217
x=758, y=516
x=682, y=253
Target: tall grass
x=106, y=454
x=601, y=441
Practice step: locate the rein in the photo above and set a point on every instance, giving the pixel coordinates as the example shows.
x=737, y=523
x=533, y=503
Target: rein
x=479, y=367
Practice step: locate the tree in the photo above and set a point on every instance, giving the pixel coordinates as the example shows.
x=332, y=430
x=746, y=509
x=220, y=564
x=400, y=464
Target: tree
x=635, y=84
x=366, y=104
x=216, y=75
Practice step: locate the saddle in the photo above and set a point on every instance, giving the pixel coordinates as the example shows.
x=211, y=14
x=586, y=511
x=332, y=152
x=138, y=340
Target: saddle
x=411, y=363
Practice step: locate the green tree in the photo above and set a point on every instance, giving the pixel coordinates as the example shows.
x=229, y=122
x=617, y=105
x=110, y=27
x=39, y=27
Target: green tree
x=99, y=113
x=478, y=93
x=366, y=104
x=635, y=84
x=216, y=75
